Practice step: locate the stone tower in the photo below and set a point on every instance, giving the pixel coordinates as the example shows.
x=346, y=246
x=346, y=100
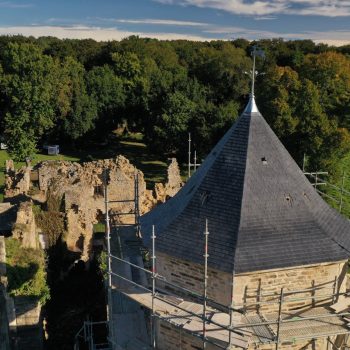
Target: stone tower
x=269, y=231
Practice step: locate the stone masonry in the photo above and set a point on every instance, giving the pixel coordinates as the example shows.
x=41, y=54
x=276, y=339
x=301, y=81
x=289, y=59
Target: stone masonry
x=249, y=288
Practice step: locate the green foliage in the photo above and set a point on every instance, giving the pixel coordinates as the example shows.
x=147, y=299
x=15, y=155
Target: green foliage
x=52, y=224
x=99, y=227
x=76, y=92
x=293, y=106
x=26, y=271
x=172, y=125
x=107, y=90
x=29, y=86
x=330, y=72
x=102, y=264
x=51, y=221
x=78, y=109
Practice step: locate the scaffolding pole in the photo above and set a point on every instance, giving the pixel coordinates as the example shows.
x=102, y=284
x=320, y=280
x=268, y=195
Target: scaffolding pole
x=195, y=160
x=206, y=233
x=153, y=333
x=189, y=155
x=109, y=260
x=341, y=192
x=230, y=310
x=279, y=319
x=137, y=206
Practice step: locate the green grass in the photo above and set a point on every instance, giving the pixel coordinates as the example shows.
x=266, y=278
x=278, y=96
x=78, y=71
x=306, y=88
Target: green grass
x=138, y=154
x=26, y=271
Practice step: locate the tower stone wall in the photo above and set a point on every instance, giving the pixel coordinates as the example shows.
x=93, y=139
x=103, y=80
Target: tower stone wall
x=259, y=289
x=249, y=290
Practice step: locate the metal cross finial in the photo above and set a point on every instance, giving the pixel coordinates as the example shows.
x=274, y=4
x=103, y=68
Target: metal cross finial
x=256, y=52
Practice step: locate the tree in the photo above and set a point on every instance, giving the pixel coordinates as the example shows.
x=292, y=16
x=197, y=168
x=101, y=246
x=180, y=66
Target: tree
x=77, y=109
x=292, y=106
x=29, y=87
x=222, y=70
x=278, y=99
x=171, y=126
x=330, y=72
x=107, y=91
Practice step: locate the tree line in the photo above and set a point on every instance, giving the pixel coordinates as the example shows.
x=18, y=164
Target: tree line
x=73, y=92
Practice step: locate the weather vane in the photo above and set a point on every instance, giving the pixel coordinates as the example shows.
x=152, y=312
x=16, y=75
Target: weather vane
x=256, y=52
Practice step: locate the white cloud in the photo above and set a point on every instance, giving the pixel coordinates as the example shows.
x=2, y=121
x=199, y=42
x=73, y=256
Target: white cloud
x=166, y=22
x=264, y=18
x=96, y=33
x=336, y=38
x=12, y=5
x=329, y=8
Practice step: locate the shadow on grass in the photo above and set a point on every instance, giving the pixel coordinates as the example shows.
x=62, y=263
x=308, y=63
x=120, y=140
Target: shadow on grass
x=20, y=278
x=153, y=166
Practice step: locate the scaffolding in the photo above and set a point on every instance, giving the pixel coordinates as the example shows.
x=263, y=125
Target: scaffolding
x=319, y=322
x=195, y=163
x=223, y=326
x=240, y=328
x=87, y=335
x=336, y=195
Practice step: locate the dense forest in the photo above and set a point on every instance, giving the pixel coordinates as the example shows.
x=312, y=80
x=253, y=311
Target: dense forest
x=77, y=92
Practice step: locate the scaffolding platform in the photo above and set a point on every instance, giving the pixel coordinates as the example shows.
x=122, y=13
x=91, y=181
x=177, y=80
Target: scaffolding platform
x=188, y=316
x=253, y=328
x=317, y=322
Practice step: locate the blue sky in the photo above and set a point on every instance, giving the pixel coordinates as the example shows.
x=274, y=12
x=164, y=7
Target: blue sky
x=320, y=20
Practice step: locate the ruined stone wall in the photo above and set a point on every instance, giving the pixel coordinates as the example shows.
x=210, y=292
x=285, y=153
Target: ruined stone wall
x=24, y=228
x=77, y=190
x=7, y=313
x=252, y=287
x=162, y=192
x=16, y=182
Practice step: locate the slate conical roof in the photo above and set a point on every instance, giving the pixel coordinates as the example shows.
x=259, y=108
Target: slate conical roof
x=262, y=211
